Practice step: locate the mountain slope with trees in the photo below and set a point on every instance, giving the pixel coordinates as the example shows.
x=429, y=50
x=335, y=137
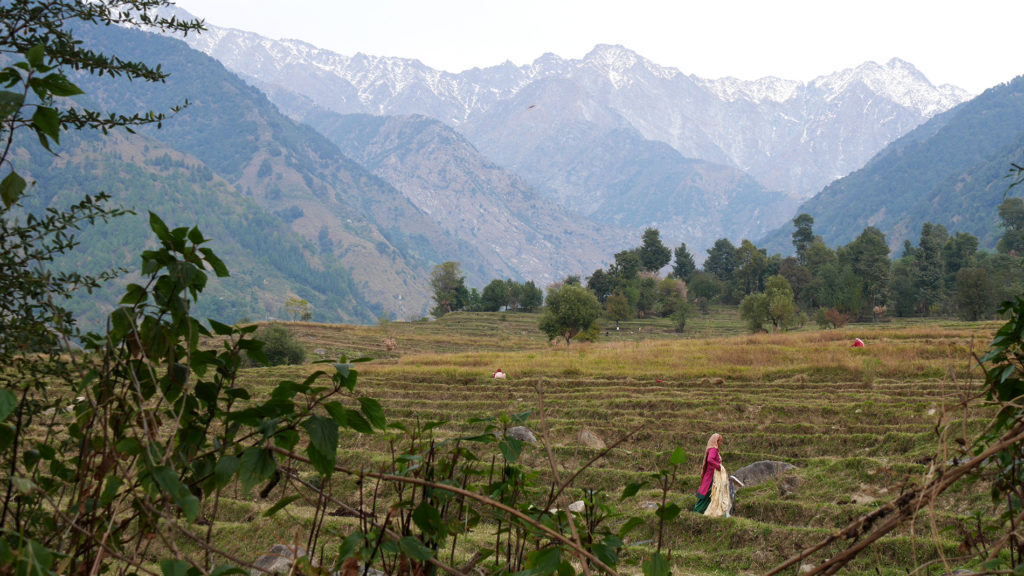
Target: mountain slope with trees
x=345, y=215
x=950, y=171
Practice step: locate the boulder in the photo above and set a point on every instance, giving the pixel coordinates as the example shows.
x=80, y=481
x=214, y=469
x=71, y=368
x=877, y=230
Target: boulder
x=522, y=433
x=761, y=471
x=278, y=560
x=591, y=440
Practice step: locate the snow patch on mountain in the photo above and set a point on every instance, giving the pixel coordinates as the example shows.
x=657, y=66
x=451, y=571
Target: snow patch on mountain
x=897, y=80
x=768, y=89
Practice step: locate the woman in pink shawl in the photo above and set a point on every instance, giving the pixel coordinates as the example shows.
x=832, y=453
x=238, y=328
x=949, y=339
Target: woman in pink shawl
x=712, y=473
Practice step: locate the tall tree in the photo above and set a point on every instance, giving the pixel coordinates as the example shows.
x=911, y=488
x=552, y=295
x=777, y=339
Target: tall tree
x=684, y=266
x=803, y=236
x=602, y=284
x=752, y=268
x=1011, y=212
x=868, y=259
x=531, y=297
x=449, y=286
x=930, y=279
x=722, y=260
x=960, y=252
x=654, y=255
x=627, y=265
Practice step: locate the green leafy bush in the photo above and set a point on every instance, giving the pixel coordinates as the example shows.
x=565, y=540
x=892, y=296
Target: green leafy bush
x=279, y=346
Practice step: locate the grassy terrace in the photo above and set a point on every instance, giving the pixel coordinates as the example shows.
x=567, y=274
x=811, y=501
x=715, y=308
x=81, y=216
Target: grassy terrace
x=860, y=424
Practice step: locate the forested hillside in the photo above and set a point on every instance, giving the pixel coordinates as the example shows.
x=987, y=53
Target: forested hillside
x=950, y=171
x=305, y=220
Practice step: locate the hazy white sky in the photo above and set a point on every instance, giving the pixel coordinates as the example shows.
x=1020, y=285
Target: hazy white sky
x=974, y=45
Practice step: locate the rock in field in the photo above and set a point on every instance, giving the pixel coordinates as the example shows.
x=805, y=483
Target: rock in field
x=591, y=440
x=522, y=433
x=761, y=471
x=278, y=560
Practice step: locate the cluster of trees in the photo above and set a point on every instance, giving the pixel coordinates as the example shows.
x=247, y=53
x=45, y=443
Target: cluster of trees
x=942, y=275
x=451, y=294
x=632, y=287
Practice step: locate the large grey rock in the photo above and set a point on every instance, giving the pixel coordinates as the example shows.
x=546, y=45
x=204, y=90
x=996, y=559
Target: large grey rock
x=761, y=471
x=522, y=433
x=278, y=560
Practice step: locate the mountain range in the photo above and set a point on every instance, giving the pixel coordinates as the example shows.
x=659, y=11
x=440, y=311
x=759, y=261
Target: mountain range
x=615, y=137
x=791, y=136
x=344, y=180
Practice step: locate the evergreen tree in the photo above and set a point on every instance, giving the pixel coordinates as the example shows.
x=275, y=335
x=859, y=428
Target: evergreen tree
x=1011, y=212
x=722, y=260
x=803, y=236
x=868, y=260
x=449, y=286
x=531, y=297
x=653, y=254
x=930, y=279
x=684, y=265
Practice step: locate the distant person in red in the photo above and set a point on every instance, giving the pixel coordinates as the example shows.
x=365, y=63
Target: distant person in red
x=498, y=374
x=857, y=343
x=712, y=470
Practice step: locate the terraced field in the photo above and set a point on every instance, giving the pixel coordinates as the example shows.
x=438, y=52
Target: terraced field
x=859, y=424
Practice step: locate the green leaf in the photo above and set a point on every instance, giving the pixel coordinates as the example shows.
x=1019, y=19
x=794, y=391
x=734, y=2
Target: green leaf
x=415, y=549
x=606, y=549
x=631, y=490
x=225, y=569
x=544, y=561
x=351, y=545
x=510, y=449
x=6, y=436
x=34, y=56
x=46, y=123
x=160, y=229
x=428, y=519
x=629, y=525
x=225, y=470
x=172, y=567
x=215, y=263
x=221, y=329
x=8, y=402
x=373, y=410
x=280, y=504
x=110, y=490
x=10, y=103
x=257, y=464
x=323, y=443
x=656, y=565
x=668, y=512
x=286, y=438
x=58, y=85
x=678, y=457
x=348, y=418
x=129, y=446
x=11, y=188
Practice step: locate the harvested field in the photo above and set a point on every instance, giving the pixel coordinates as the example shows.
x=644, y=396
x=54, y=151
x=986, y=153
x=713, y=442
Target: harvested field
x=859, y=424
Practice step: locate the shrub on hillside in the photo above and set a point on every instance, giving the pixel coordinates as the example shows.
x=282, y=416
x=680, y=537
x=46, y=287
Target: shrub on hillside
x=279, y=346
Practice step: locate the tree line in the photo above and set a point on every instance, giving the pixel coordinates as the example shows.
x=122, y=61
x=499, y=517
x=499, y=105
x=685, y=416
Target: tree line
x=943, y=274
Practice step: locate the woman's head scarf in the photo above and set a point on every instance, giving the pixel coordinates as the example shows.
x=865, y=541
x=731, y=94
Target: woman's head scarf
x=713, y=442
